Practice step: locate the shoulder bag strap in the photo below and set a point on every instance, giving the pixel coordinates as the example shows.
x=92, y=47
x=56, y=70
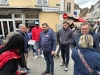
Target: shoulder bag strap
x=84, y=62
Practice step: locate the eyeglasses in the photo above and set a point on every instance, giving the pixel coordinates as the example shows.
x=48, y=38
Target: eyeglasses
x=84, y=28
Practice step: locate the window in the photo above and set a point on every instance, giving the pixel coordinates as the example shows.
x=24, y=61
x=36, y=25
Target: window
x=42, y=2
x=18, y=16
x=36, y=16
x=68, y=7
x=17, y=22
x=3, y=1
x=3, y=16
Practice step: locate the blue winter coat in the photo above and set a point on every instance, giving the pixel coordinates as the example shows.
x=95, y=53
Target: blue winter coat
x=91, y=57
x=48, y=41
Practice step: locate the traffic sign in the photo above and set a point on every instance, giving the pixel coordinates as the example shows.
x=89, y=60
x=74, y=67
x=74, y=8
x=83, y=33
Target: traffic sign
x=65, y=16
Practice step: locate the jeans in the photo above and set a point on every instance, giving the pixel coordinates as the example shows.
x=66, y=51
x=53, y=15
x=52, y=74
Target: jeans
x=65, y=53
x=37, y=47
x=32, y=47
x=49, y=61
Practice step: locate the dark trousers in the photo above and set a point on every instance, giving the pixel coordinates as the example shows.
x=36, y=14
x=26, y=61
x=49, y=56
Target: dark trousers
x=65, y=53
x=49, y=61
x=22, y=62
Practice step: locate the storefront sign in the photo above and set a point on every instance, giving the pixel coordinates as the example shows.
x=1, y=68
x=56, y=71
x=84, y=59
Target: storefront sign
x=17, y=10
x=48, y=9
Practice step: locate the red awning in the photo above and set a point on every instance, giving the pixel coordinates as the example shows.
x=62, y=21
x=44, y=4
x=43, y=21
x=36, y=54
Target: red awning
x=80, y=20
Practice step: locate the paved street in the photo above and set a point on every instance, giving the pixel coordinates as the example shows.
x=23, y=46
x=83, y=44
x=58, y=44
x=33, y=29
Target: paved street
x=38, y=66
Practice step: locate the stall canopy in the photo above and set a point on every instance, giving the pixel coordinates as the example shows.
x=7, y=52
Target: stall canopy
x=80, y=20
x=77, y=20
x=72, y=18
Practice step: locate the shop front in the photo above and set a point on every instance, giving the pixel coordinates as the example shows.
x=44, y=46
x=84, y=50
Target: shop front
x=10, y=18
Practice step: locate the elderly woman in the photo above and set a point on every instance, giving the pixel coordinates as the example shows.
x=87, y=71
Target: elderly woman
x=86, y=60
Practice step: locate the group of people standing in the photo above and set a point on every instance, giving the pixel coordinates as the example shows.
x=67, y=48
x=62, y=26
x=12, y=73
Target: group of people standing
x=85, y=49
x=15, y=49
x=84, y=46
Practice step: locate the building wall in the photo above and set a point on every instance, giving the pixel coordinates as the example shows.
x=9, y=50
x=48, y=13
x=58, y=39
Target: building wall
x=51, y=18
x=31, y=3
x=88, y=16
x=72, y=7
x=94, y=14
x=52, y=3
x=61, y=9
x=95, y=11
x=22, y=3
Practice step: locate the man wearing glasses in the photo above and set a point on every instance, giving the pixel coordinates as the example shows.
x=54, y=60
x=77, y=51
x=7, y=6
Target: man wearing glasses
x=85, y=30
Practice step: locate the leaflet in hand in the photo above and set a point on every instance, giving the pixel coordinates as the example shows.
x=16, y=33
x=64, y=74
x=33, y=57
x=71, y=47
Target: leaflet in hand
x=31, y=42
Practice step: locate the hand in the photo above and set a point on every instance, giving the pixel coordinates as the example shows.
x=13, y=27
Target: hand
x=38, y=51
x=66, y=43
x=53, y=52
x=22, y=71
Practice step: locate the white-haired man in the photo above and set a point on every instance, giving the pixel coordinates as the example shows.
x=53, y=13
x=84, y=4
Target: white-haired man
x=22, y=32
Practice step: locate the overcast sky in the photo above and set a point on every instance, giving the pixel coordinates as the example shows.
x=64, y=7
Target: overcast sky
x=85, y=3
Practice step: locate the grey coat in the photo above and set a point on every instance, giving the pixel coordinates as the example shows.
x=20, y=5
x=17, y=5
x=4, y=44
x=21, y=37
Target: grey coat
x=65, y=36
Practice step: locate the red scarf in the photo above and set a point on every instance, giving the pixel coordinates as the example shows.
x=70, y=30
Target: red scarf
x=6, y=56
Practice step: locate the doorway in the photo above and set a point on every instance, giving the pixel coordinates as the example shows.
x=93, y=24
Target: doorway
x=6, y=26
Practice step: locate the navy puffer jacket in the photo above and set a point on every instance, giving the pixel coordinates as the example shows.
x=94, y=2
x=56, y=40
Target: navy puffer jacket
x=48, y=41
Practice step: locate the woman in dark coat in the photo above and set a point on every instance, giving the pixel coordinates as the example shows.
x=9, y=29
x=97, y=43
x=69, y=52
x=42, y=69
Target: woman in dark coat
x=9, y=55
x=91, y=57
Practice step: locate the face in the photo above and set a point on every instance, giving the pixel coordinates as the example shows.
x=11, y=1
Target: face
x=44, y=28
x=65, y=25
x=23, y=29
x=27, y=30
x=85, y=29
x=37, y=26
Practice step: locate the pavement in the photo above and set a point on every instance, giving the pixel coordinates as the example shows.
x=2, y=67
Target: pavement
x=39, y=65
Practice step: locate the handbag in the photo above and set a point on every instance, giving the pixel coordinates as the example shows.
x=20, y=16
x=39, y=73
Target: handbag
x=86, y=64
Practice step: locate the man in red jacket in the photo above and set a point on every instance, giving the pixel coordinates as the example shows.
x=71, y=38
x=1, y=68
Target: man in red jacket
x=36, y=36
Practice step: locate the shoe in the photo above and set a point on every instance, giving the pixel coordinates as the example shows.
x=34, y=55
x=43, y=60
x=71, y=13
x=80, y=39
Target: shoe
x=36, y=57
x=62, y=64
x=66, y=68
x=45, y=72
x=52, y=73
x=41, y=55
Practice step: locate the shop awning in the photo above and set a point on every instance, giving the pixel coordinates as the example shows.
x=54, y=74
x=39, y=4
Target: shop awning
x=72, y=18
x=80, y=20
